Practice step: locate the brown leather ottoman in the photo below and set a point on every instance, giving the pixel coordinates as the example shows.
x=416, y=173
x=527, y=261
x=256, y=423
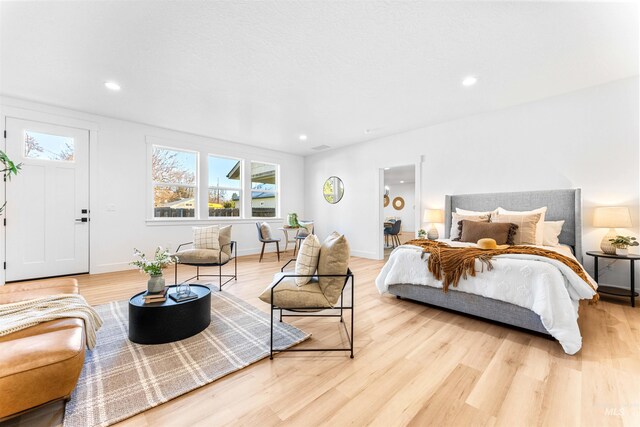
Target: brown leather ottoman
x=42, y=363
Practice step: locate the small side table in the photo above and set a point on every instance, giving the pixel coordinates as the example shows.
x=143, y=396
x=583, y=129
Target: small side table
x=610, y=290
x=286, y=230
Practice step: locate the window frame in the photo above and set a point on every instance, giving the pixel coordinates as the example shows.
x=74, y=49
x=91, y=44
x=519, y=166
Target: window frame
x=276, y=192
x=240, y=190
x=154, y=184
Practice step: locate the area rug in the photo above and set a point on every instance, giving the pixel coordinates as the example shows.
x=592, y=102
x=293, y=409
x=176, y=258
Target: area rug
x=121, y=379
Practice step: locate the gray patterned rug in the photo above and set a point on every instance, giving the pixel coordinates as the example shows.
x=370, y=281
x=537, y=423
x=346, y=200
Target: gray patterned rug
x=121, y=379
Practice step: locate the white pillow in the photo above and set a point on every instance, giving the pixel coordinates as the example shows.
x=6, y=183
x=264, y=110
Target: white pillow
x=307, y=260
x=552, y=230
x=466, y=212
x=539, y=227
x=206, y=237
x=456, y=218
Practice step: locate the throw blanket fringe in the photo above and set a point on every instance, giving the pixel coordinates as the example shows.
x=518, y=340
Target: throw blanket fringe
x=450, y=264
x=24, y=314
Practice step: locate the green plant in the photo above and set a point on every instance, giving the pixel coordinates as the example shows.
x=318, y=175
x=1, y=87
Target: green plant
x=10, y=168
x=229, y=205
x=161, y=259
x=422, y=233
x=622, y=242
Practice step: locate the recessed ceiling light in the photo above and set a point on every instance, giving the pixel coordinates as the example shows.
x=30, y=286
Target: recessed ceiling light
x=303, y=137
x=401, y=182
x=387, y=169
x=469, y=81
x=112, y=85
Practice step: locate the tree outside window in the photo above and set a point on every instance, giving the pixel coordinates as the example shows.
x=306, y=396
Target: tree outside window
x=174, y=182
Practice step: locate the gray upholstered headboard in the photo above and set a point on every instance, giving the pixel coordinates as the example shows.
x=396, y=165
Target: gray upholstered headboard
x=561, y=204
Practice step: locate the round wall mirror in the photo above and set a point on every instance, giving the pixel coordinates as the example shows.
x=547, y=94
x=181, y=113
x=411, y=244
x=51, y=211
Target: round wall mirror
x=398, y=203
x=333, y=190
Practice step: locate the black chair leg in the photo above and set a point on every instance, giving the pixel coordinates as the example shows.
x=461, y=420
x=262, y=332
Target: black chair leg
x=278, y=250
x=262, y=252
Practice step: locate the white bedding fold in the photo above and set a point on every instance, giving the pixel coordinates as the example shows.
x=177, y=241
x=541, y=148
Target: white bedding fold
x=545, y=286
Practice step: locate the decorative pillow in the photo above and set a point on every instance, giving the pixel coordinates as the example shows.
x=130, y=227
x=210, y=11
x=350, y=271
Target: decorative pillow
x=265, y=230
x=466, y=212
x=539, y=227
x=472, y=231
x=334, y=259
x=306, y=227
x=224, y=238
x=552, y=230
x=527, y=225
x=454, y=234
x=307, y=260
x=206, y=237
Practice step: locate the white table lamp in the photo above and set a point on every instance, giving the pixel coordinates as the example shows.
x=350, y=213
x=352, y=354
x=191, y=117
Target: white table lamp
x=433, y=216
x=611, y=217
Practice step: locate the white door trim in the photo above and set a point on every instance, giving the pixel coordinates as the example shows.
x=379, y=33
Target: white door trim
x=417, y=196
x=7, y=111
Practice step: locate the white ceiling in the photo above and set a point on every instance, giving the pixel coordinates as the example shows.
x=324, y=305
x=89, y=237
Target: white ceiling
x=406, y=174
x=262, y=73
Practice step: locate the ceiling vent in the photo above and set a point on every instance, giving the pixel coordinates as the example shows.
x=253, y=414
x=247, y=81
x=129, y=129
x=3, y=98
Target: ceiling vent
x=320, y=147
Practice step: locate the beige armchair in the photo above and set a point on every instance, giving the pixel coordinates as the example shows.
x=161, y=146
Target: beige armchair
x=324, y=292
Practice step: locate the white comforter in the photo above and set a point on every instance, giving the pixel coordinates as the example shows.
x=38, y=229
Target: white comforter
x=545, y=286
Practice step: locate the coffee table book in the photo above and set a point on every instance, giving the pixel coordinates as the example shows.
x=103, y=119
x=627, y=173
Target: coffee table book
x=186, y=297
x=148, y=297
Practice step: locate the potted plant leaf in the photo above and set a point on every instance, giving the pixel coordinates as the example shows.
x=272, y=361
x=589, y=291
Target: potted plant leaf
x=9, y=168
x=622, y=243
x=421, y=233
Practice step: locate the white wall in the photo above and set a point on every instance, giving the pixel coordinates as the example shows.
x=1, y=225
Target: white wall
x=587, y=139
x=119, y=178
x=407, y=214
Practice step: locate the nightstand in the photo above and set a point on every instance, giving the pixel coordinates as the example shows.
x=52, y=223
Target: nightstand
x=610, y=290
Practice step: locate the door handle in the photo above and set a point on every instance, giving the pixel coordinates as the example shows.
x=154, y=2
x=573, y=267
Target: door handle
x=82, y=219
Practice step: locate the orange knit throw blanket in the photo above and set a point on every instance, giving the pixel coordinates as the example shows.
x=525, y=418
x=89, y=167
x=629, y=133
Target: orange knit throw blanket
x=450, y=264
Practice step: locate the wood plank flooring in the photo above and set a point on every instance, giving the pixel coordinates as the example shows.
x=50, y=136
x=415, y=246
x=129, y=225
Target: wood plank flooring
x=414, y=365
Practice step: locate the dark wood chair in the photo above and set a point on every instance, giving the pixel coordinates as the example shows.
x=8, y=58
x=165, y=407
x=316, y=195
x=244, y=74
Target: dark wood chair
x=265, y=241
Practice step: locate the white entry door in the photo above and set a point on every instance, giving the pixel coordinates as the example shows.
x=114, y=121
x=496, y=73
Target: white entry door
x=47, y=211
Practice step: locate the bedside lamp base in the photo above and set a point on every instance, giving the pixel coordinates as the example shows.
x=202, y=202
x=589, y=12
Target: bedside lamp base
x=606, y=245
x=432, y=234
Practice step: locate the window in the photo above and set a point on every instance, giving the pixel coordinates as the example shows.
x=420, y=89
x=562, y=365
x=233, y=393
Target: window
x=174, y=175
x=264, y=189
x=48, y=147
x=225, y=187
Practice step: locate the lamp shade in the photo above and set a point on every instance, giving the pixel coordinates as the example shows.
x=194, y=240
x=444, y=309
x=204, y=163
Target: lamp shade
x=612, y=217
x=433, y=215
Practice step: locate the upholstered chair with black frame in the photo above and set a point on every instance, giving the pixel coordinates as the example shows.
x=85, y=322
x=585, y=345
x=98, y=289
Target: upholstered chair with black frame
x=264, y=236
x=199, y=257
x=309, y=293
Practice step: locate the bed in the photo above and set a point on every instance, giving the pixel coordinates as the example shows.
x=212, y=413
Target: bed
x=561, y=205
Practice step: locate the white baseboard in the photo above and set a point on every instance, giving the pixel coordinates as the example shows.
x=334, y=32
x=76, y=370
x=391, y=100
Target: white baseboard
x=365, y=254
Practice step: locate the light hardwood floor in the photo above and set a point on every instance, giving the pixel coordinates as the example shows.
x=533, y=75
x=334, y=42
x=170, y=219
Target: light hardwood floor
x=414, y=365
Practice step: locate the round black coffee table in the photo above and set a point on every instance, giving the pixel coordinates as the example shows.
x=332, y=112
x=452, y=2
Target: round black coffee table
x=169, y=321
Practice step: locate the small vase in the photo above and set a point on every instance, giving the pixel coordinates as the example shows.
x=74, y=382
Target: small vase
x=155, y=284
x=622, y=251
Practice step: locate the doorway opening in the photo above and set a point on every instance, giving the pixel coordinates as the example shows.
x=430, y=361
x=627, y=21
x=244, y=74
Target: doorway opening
x=399, y=214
